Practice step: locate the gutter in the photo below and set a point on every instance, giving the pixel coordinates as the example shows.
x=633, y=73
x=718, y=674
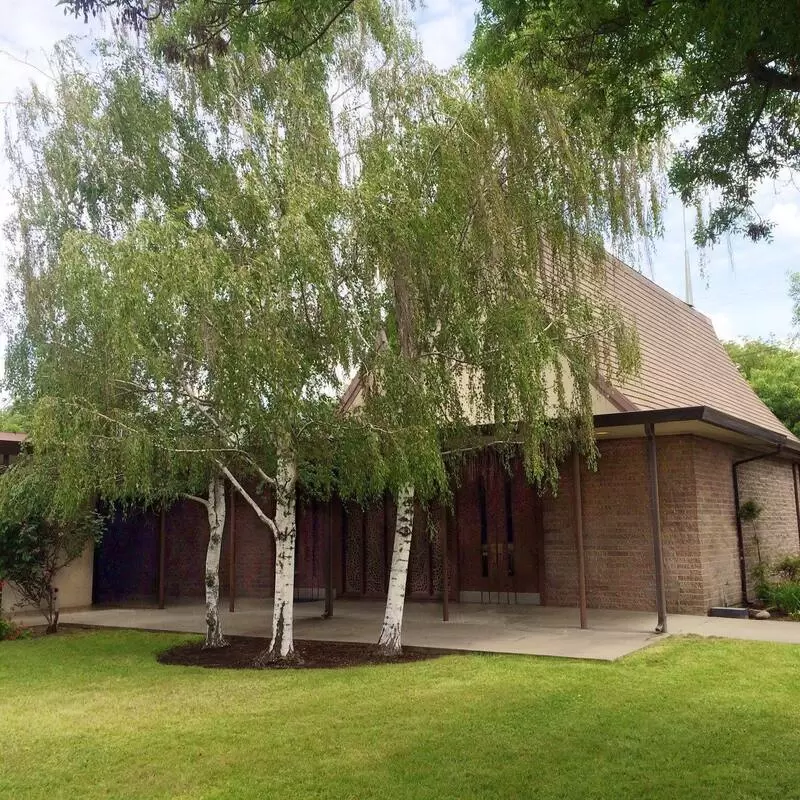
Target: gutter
x=736, y=508
x=710, y=416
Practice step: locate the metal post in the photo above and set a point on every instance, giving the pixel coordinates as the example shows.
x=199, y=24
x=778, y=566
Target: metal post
x=162, y=558
x=328, y=613
x=576, y=488
x=655, y=516
x=232, y=553
x=443, y=520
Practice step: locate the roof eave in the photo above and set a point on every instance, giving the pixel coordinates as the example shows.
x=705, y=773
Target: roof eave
x=711, y=416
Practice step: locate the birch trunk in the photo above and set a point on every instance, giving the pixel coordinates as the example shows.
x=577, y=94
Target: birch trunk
x=216, y=524
x=390, y=641
x=281, y=647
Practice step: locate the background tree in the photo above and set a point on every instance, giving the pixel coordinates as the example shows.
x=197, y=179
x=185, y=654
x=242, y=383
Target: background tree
x=37, y=539
x=729, y=67
x=193, y=32
x=12, y=421
x=773, y=370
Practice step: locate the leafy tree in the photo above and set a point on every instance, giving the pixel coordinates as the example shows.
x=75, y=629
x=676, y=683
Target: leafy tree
x=259, y=236
x=36, y=540
x=194, y=32
x=773, y=371
x=641, y=68
x=484, y=219
x=136, y=204
x=12, y=421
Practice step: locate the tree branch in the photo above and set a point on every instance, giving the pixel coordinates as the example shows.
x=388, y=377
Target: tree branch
x=196, y=499
x=255, y=506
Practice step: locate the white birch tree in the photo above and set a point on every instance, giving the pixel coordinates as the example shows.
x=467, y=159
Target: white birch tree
x=484, y=222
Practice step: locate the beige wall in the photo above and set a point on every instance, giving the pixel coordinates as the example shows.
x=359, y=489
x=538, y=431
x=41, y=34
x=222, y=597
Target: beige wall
x=467, y=385
x=74, y=585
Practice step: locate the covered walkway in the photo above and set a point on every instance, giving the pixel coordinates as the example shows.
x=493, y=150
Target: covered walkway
x=530, y=630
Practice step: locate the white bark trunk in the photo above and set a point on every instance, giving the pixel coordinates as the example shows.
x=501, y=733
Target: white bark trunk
x=390, y=641
x=216, y=525
x=281, y=647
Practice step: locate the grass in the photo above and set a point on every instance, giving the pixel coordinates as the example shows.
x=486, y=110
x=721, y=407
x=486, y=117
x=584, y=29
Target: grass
x=92, y=715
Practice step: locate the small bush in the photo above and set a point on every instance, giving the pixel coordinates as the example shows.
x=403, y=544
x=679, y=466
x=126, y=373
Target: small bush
x=784, y=596
x=778, y=585
x=10, y=630
x=788, y=569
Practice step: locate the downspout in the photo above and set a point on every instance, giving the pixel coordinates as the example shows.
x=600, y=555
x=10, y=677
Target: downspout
x=655, y=524
x=736, y=499
x=796, y=497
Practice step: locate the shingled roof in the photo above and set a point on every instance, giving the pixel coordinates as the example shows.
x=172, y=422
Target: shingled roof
x=683, y=363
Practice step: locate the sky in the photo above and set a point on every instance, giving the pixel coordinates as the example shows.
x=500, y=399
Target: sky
x=745, y=296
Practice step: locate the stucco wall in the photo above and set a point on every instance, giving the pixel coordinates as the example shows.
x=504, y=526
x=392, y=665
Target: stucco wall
x=74, y=584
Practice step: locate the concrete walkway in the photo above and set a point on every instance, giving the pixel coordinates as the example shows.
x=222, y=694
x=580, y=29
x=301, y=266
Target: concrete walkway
x=530, y=630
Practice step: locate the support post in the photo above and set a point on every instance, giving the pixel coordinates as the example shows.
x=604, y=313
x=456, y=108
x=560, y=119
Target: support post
x=576, y=488
x=655, y=522
x=328, y=613
x=232, y=553
x=443, y=521
x=162, y=557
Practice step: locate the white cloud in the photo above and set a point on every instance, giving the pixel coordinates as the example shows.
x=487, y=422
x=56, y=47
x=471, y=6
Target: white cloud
x=786, y=216
x=723, y=326
x=445, y=29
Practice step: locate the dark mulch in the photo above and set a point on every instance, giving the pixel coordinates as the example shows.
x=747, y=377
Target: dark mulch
x=243, y=651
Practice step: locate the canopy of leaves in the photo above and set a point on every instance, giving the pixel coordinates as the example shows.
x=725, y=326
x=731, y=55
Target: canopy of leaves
x=193, y=32
x=202, y=257
x=773, y=371
x=12, y=421
x=642, y=68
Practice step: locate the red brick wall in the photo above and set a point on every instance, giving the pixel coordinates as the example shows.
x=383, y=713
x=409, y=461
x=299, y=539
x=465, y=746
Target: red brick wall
x=769, y=483
x=617, y=530
x=701, y=565
x=717, y=522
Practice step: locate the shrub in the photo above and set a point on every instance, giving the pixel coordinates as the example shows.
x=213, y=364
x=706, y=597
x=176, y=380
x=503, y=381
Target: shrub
x=778, y=585
x=10, y=630
x=35, y=542
x=788, y=568
x=784, y=596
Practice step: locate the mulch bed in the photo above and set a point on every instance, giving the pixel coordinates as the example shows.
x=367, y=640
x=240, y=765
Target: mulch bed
x=243, y=651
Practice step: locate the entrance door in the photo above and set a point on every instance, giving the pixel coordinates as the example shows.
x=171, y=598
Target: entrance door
x=499, y=533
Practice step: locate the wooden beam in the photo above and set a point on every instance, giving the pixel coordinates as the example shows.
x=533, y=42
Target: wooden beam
x=162, y=557
x=443, y=522
x=579, y=546
x=232, y=552
x=655, y=522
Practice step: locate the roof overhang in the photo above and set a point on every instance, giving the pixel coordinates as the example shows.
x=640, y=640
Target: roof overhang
x=700, y=421
x=11, y=443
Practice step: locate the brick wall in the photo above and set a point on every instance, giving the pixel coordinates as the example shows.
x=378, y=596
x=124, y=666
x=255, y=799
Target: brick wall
x=769, y=483
x=701, y=565
x=617, y=531
x=719, y=552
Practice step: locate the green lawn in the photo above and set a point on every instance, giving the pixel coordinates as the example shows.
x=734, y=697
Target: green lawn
x=93, y=715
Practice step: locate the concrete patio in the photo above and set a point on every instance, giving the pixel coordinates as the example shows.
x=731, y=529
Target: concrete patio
x=529, y=630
